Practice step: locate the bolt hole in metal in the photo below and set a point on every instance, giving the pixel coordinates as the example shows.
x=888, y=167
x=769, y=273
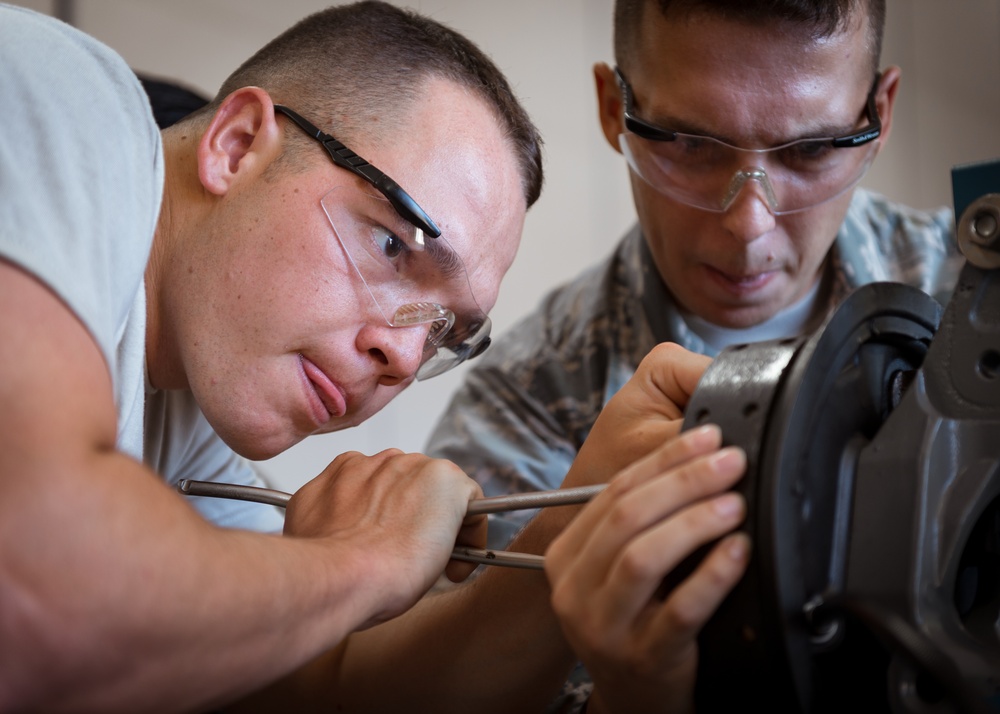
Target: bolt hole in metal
x=749, y=410
x=984, y=225
x=979, y=232
x=823, y=628
x=989, y=364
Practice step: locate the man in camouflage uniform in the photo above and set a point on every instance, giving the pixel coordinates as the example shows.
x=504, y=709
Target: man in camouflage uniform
x=524, y=410
x=519, y=419
x=747, y=127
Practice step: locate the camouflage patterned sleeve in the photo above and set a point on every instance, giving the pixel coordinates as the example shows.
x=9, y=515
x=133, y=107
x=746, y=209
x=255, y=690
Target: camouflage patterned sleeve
x=504, y=437
x=882, y=240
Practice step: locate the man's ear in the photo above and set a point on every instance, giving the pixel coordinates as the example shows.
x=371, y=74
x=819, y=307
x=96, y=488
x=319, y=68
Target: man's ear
x=242, y=139
x=609, y=103
x=885, y=99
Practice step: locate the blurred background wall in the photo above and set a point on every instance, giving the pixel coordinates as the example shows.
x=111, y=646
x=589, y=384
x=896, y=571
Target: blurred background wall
x=948, y=113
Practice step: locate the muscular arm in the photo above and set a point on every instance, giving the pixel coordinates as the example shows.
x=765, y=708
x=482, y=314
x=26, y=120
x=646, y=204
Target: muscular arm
x=114, y=594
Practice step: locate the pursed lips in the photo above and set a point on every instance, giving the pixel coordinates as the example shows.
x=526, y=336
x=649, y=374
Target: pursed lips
x=332, y=398
x=743, y=280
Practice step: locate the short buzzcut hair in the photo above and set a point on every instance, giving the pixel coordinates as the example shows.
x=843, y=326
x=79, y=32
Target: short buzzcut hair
x=821, y=18
x=355, y=69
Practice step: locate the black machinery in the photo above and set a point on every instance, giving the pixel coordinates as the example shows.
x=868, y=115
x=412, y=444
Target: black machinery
x=873, y=491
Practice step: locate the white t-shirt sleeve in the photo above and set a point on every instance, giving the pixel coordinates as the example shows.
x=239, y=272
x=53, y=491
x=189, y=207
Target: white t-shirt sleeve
x=81, y=170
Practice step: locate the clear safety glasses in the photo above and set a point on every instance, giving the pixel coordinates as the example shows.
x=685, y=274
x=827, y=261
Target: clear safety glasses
x=401, y=267
x=401, y=258
x=709, y=174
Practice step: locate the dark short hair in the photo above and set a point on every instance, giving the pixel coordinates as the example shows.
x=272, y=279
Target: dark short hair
x=354, y=70
x=821, y=18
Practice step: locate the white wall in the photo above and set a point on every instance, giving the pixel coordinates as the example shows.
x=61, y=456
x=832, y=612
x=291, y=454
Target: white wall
x=948, y=113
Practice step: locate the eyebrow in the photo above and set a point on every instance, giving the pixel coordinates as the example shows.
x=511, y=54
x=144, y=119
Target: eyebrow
x=439, y=251
x=445, y=257
x=825, y=131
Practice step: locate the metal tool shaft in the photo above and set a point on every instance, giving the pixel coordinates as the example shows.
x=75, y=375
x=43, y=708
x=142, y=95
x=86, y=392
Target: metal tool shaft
x=536, y=499
x=477, y=506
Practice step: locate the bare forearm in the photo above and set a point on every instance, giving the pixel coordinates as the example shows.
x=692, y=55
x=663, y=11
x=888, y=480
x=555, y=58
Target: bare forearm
x=118, y=597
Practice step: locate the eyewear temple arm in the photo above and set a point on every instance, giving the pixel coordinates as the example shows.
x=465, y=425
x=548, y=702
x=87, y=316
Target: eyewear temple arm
x=642, y=128
x=874, y=128
x=478, y=506
x=348, y=160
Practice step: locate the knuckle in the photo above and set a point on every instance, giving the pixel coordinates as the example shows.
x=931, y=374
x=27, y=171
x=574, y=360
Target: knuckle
x=636, y=567
x=662, y=351
x=702, y=521
x=389, y=453
x=451, y=468
x=444, y=473
x=619, y=485
x=717, y=572
x=347, y=457
x=722, y=571
x=622, y=515
x=684, y=447
x=688, y=478
x=683, y=614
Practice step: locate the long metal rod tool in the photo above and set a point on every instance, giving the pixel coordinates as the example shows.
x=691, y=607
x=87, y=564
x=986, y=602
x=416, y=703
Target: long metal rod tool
x=477, y=506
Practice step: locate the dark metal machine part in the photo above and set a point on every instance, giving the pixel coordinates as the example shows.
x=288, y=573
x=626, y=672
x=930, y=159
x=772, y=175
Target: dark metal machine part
x=873, y=493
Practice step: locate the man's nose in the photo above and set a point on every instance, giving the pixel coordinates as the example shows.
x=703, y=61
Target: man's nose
x=398, y=351
x=750, y=205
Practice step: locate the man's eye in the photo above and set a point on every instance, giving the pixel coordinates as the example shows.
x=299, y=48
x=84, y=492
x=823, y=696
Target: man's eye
x=809, y=151
x=691, y=143
x=696, y=149
x=390, y=244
